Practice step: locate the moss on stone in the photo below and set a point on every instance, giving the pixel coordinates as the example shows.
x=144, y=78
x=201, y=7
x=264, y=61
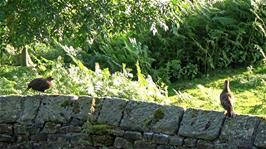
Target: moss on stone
x=158, y=114
x=97, y=128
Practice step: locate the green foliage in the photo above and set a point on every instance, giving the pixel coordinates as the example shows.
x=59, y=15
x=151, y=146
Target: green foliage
x=113, y=52
x=75, y=22
x=209, y=36
x=170, y=40
x=79, y=80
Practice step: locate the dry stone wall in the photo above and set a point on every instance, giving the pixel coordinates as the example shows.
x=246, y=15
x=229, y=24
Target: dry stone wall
x=85, y=122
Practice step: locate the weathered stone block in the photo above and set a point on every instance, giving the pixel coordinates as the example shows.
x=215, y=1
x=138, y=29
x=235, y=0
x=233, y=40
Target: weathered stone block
x=169, y=121
x=10, y=108
x=51, y=127
x=176, y=140
x=105, y=147
x=77, y=122
x=201, y=124
x=223, y=146
x=239, y=130
x=103, y=140
x=116, y=132
x=85, y=139
x=58, y=137
x=230, y=146
x=33, y=129
x=30, y=105
x=112, y=111
x=4, y=145
x=190, y=142
x=160, y=138
x=69, y=129
x=202, y=144
x=148, y=136
x=82, y=109
x=138, y=115
x=79, y=138
x=64, y=129
x=22, y=145
x=51, y=145
x=122, y=143
x=260, y=140
x=6, y=138
x=22, y=138
x=166, y=147
x=20, y=129
x=56, y=109
x=6, y=128
x=83, y=146
x=15, y=145
x=133, y=135
x=143, y=144
x=39, y=137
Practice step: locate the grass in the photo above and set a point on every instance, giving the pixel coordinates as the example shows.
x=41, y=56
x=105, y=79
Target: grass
x=247, y=84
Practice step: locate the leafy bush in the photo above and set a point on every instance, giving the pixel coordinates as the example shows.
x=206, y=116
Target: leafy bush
x=118, y=50
x=206, y=36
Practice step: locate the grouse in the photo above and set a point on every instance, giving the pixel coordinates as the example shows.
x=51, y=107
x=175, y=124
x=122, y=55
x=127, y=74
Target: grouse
x=40, y=84
x=226, y=98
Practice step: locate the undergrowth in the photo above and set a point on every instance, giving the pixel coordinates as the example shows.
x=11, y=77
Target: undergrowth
x=79, y=80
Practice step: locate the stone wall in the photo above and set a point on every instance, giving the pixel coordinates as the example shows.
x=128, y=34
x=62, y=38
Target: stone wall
x=85, y=122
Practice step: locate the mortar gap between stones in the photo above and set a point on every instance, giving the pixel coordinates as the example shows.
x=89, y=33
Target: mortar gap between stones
x=123, y=113
x=179, y=123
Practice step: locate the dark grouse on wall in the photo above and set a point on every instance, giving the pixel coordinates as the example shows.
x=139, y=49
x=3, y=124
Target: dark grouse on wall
x=226, y=98
x=40, y=84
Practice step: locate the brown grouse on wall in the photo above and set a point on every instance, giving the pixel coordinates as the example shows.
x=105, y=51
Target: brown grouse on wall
x=226, y=98
x=40, y=84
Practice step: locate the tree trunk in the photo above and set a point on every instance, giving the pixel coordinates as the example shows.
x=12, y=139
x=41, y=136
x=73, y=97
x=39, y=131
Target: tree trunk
x=23, y=59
